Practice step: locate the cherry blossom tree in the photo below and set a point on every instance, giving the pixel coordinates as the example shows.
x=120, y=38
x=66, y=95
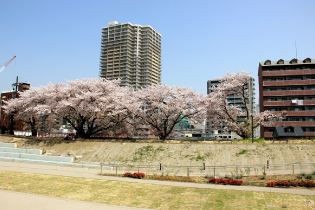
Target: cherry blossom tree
x=89, y=105
x=164, y=106
x=26, y=107
x=92, y=105
x=236, y=117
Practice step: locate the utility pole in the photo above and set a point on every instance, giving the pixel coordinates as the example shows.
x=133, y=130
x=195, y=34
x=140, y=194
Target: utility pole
x=14, y=95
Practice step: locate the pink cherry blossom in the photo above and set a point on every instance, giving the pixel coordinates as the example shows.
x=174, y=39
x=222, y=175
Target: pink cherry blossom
x=232, y=117
x=164, y=106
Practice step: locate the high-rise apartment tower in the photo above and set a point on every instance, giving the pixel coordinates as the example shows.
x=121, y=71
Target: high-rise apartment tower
x=132, y=53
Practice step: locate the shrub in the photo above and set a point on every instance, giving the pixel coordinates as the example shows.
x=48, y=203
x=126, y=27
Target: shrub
x=135, y=175
x=309, y=184
x=271, y=184
x=309, y=176
x=239, y=176
x=138, y=175
x=127, y=174
x=294, y=183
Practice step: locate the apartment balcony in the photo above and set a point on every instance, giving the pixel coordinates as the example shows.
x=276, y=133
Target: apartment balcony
x=301, y=113
x=291, y=123
x=289, y=92
x=287, y=103
x=268, y=134
x=288, y=72
x=309, y=134
x=289, y=82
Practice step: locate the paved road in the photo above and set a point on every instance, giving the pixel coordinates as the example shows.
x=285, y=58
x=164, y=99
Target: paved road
x=17, y=201
x=93, y=174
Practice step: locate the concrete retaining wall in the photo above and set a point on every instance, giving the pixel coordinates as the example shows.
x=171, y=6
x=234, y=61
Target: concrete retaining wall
x=11, y=145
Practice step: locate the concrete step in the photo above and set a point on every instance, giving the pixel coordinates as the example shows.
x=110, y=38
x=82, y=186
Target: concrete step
x=9, y=145
x=21, y=150
x=36, y=157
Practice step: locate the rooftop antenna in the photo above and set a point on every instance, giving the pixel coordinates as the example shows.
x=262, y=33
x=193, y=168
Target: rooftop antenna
x=295, y=50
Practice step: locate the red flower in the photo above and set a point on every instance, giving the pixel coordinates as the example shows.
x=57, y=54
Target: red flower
x=225, y=181
x=271, y=184
x=127, y=174
x=135, y=175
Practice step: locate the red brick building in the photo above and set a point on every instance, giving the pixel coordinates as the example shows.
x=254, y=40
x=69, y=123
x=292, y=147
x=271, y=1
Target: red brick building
x=290, y=86
x=4, y=118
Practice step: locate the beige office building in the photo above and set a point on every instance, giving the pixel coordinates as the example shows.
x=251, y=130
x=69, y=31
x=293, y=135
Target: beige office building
x=132, y=53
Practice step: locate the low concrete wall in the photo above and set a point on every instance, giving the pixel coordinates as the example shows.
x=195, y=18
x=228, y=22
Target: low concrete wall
x=11, y=145
x=37, y=157
x=20, y=150
x=8, y=154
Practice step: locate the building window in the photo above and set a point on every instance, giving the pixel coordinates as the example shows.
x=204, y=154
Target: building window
x=267, y=62
x=307, y=60
x=289, y=129
x=293, y=61
x=280, y=61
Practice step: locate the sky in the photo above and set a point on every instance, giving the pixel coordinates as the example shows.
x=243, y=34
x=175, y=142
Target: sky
x=59, y=40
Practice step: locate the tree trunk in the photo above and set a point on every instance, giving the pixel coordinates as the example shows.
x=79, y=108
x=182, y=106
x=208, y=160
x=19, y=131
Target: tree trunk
x=3, y=129
x=33, y=127
x=81, y=133
x=34, y=132
x=11, y=125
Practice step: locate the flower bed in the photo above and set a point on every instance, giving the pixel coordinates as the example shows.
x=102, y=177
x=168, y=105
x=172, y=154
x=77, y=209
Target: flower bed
x=282, y=183
x=134, y=175
x=225, y=181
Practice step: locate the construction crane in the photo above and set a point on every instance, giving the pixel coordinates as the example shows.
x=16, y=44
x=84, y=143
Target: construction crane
x=5, y=65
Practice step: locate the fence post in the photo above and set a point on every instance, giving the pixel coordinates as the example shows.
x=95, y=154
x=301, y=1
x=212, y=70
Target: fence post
x=214, y=172
x=187, y=173
x=160, y=166
x=264, y=170
x=101, y=170
x=293, y=168
x=116, y=169
x=204, y=166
